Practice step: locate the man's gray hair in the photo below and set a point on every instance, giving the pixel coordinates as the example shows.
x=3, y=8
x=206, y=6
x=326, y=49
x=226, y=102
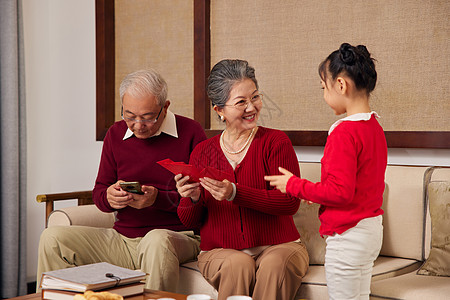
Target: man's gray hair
x=224, y=75
x=142, y=83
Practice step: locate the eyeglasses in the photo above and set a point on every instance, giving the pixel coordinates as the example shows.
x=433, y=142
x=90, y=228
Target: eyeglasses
x=243, y=104
x=151, y=121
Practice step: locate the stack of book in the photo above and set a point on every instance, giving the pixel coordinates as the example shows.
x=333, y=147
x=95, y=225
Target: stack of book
x=66, y=283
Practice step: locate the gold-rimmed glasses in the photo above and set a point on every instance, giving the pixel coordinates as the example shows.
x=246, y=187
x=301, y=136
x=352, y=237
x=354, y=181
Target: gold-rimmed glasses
x=151, y=121
x=243, y=104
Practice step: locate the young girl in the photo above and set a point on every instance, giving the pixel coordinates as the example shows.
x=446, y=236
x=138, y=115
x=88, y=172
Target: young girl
x=352, y=179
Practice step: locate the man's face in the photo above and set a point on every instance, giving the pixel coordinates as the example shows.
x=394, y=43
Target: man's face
x=140, y=113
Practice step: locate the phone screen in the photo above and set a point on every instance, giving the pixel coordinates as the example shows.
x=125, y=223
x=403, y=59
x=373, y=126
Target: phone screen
x=131, y=187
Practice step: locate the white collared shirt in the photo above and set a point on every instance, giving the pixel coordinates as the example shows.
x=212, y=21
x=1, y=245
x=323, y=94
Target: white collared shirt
x=168, y=126
x=355, y=117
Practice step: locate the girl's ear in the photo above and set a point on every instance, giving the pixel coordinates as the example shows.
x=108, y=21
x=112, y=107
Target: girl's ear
x=342, y=85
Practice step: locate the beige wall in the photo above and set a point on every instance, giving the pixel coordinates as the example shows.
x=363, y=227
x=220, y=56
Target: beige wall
x=157, y=34
x=285, y=42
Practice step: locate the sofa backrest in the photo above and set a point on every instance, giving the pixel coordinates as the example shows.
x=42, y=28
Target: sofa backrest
x=404, y=215
x=403, y=220
x=307, y=221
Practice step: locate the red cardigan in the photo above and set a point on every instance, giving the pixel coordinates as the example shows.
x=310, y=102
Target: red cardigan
x=352, y=177
x=258, y=215
x=135, y=159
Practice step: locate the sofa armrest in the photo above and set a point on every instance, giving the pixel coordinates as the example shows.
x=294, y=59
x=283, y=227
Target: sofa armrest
x=85, y=215
x=83, y=197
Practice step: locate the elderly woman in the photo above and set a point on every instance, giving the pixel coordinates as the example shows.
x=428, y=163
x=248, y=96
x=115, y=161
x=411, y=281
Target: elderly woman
x=250, y=245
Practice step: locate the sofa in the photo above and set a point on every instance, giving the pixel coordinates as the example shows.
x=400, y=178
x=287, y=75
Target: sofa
x=407, y=241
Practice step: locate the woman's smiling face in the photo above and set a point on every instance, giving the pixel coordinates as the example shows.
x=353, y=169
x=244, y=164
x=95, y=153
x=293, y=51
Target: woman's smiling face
x=243, y=118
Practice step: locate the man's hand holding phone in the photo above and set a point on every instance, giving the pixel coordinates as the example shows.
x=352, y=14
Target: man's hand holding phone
x=119, y=198
x=146, y=199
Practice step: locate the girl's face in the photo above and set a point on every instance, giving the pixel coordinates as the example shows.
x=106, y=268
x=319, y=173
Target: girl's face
x=241, y=111
x=332, y=96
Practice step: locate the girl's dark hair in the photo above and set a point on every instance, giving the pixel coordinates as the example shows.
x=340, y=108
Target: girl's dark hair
x=355, y=62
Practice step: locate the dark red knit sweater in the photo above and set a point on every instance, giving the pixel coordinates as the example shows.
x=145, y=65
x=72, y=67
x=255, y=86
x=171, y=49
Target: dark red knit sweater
x=258, y=215
x=135, y=159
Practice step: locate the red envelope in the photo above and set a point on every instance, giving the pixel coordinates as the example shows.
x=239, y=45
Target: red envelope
x=213, y=173
x=193, y=172
x=181, y=168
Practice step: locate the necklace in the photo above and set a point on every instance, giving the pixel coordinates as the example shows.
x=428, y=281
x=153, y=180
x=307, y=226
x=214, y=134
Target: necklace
x=243, y=147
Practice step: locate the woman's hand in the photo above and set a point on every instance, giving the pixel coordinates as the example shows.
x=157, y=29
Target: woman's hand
x=280, y=181
x=220, y=190
x=185, y=189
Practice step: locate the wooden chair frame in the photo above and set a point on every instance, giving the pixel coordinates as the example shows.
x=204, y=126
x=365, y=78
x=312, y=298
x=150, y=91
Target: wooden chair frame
x=83, y=197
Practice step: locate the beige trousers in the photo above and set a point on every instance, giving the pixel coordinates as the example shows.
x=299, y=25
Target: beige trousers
x=158, y=253
x=276, y=273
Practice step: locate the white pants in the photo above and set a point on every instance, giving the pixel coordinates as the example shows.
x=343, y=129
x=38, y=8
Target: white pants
x=349, y=259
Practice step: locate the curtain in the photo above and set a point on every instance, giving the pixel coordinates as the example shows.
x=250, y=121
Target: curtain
x=12, y=152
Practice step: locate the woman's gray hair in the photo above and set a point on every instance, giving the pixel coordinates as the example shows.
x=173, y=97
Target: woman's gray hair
x=224, y=75
x=144, y=82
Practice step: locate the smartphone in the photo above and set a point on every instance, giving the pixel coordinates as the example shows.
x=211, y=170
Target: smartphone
x=132, y=187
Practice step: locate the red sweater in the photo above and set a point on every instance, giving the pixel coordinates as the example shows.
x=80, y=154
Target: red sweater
x=352, y=177
x=135, y=159
x=258, y=215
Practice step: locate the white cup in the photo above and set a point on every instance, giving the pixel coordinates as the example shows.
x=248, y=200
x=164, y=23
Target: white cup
x=199, y=297
x=237, y=297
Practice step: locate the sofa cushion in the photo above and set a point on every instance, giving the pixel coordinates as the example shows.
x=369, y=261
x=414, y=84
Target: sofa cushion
x=307, y=222
x=191, y=281
x=384, y=267
x=433, y=174
x=411, y=286
x=313, y=286
x=438, y=262
x=404, y=190
x=387, y=267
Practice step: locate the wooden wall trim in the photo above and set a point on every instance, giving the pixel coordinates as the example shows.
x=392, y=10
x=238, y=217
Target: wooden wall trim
x=418, y=139
x=105, y=66
x=395, y=139
x=202, y=61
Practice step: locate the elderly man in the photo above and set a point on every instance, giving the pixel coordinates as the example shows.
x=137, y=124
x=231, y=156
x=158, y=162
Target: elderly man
x=147, y=234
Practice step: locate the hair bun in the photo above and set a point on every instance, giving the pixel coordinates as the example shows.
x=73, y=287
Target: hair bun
x=363, y=51
x=347, y=54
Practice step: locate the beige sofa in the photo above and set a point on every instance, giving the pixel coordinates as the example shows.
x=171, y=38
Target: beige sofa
x=406, y=243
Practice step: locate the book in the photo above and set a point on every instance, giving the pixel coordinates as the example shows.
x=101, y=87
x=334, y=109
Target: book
x=123, y=290
x=94, y=277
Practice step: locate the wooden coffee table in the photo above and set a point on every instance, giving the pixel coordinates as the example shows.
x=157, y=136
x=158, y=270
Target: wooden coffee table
x=148, y=294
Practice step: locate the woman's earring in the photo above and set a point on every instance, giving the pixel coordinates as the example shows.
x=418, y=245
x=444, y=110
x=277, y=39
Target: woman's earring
x=222, y=118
